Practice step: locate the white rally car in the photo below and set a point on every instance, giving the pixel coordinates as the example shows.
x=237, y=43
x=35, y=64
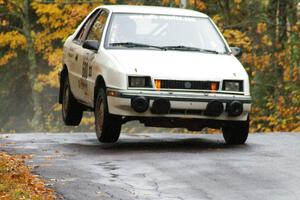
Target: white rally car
x=165, y=67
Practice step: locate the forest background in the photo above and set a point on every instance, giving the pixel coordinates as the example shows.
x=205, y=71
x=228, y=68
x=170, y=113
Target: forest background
x=32, y=33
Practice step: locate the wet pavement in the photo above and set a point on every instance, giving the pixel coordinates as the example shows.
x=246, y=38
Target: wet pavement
x=164, y=166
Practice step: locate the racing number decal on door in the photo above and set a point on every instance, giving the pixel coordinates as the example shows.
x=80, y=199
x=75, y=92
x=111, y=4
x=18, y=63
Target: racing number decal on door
x=90, y=66
x=87, y=70
x=87, y=67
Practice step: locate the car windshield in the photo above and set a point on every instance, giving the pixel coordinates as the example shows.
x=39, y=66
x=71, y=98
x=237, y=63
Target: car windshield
x=165, y=32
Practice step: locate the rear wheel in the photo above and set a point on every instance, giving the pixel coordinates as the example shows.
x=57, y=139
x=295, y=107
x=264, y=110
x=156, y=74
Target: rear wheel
x=108, y=127
x=71, y=109
x=236, y=132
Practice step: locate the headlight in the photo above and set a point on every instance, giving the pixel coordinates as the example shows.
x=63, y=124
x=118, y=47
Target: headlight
x=233, y=85
x=139, y=81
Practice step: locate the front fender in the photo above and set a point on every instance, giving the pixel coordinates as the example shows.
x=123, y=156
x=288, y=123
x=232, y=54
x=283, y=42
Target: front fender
x=110, y=69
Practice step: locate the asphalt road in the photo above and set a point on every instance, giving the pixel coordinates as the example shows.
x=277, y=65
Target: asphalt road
x=164, y=166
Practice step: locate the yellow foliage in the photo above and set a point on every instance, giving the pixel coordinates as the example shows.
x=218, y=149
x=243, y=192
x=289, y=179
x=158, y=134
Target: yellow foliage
x=177, y=2
x=237, y=38
x=55, y=57
x=217, y=20
x=4, y=23
x=56, y=107
x=237, y=1
x=87, y=120
x=198, y=4
x=50, y=79
x=58, y=22
x=266, y=40
x=13, y=40
x=38, y=87
x=7, y=56
x=261, y=28
x=165, y=2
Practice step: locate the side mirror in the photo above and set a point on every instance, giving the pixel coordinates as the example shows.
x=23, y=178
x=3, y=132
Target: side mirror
x=236, y=51
x=91, y=45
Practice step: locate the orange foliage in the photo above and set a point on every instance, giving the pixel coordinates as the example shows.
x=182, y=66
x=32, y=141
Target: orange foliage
x=17, y=182
x=260, y=57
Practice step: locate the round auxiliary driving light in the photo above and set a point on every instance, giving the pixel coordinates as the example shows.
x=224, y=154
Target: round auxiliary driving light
x=234, y=108
x=139, y=104
x=214, y=108
x=161, y=106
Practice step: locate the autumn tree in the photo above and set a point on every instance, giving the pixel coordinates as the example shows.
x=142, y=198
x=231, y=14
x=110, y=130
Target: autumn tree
x=18, y=33
x=268, y=33
x=37, y=29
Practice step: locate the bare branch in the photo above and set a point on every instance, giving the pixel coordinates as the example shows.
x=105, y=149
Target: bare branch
x=10, y=14
x=239, y=25
x=10, y=28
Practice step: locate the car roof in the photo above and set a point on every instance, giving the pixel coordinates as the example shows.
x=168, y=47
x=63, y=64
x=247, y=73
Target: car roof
x=153, y=10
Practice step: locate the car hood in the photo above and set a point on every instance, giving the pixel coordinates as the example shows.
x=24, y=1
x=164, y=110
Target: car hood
x=179, y=65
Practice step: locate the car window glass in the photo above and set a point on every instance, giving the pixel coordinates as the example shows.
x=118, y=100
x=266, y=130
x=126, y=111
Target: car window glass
x=96, y=30
x=83, y=31
x=165, y=30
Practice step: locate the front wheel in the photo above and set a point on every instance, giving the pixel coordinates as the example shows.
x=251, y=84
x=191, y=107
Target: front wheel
x=108, y=127
x=236, y=132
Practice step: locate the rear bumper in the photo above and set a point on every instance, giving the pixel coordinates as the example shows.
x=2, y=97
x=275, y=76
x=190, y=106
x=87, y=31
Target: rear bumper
x=182, y=104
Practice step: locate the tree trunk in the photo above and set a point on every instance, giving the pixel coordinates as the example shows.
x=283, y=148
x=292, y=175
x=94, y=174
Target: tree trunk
x=292, y=12
x=36, y=122
x=293, y=35
x=226, y=11
x=282, y=33
x=272, y=12
x=282, y=19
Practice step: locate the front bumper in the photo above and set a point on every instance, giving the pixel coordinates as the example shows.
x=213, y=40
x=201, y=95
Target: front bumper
x=182, y=104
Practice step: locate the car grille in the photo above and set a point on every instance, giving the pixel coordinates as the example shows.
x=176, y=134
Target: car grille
x=192, y=85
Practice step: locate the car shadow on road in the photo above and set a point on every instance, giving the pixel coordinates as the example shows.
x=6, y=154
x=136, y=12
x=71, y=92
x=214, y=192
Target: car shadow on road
x=156, y=145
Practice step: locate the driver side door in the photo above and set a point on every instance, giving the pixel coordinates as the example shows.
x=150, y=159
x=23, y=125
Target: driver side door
x=86, y=56
x=77, y=64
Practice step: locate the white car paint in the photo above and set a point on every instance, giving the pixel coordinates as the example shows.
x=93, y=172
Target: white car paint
x=115, y=65
x=179, y=65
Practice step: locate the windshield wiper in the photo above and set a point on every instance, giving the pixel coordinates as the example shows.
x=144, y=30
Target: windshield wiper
x=133, y=44
x=187, y=48
x=178, y=47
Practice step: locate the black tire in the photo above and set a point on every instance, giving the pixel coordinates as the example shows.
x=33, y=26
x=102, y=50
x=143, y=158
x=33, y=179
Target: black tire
x=108, y=127
x=71, y=110
x=236, y=132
